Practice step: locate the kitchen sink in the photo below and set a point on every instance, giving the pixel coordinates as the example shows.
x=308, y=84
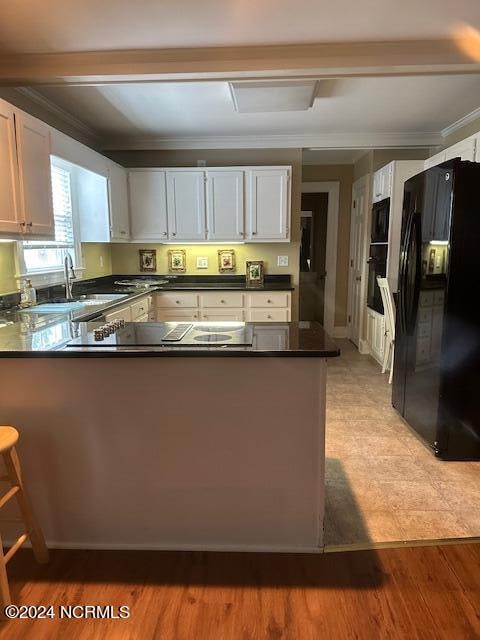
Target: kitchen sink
x=89, y=299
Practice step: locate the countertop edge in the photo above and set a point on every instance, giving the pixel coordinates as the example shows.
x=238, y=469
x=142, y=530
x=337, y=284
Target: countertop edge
x=183, y=353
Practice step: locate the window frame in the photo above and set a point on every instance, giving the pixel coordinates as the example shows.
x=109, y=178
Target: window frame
x=54, y=276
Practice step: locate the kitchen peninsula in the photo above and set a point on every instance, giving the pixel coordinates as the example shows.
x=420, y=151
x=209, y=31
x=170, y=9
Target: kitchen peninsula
x=201, y=445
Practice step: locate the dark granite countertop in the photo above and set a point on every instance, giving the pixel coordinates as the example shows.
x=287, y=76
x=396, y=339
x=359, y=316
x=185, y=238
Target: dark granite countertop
x=290, y=339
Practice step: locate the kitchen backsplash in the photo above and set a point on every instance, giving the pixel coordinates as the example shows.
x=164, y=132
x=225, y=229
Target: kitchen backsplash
x=104, y=259
x=125, y=257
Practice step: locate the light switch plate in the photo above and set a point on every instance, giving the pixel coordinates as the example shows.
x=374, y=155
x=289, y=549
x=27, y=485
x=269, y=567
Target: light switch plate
x=202, y=262
x=282, y=261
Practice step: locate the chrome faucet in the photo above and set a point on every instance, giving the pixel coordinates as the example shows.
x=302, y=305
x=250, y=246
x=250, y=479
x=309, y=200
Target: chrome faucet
x=69, y=276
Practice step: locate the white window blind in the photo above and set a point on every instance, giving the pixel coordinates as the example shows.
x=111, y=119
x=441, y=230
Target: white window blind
x=49, y=255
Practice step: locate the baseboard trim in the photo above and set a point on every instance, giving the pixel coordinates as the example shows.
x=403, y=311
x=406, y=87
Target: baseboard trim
x=340, y=332
x=363, y=347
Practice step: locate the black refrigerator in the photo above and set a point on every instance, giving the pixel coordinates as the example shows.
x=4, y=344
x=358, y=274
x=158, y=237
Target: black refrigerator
x=436, y=374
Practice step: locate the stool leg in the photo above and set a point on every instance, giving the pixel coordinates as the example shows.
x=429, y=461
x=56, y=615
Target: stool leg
x=14, y=472
x=5, y=598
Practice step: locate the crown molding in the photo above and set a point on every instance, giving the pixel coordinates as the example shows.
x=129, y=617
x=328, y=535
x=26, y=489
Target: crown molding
x=401, y=57
x=458, y=124
x=59, y=113
x=324, y=141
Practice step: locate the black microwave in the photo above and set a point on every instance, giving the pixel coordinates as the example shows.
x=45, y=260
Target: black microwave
x=380, y=221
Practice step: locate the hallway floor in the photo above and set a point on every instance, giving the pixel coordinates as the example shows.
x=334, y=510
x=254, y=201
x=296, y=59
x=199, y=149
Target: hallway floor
x=383, y=484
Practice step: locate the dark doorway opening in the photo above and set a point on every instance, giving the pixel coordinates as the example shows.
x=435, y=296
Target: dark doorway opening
x=313, y=244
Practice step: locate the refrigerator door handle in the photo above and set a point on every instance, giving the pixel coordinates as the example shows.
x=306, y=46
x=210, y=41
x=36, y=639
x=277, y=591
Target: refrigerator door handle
x=416, y=235
x=403, y=268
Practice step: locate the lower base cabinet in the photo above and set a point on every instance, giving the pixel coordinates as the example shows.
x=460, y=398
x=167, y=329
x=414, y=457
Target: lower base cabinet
x=376, y=334
x=255, y=306
x=138, y=311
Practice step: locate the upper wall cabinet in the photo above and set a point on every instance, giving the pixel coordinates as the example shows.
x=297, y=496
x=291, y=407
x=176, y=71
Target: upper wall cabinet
x=147, y=189
x=221, y=204
x=464, y=150
x=467, y=149
x=268, y=214
x=225, y=207
x=186, y=205
x=382, y=183
x=26, y=192
x=118, y=201
x=10, y=218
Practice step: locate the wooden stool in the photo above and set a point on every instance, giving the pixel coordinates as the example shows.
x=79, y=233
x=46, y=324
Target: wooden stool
x=8, y=440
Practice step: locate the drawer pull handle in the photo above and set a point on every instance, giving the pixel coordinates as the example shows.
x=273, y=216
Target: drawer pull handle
x=269, y=301
x=222, y=301
x=269, y=317
x=177, y=301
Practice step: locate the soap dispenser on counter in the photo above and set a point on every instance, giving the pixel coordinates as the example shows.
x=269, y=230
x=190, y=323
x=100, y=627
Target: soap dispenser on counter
x=28, y=296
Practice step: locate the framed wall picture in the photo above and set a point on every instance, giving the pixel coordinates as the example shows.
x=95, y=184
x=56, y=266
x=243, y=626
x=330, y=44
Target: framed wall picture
x=226, y=260
x=148, y=259
x=254, y=274
x=177, y=260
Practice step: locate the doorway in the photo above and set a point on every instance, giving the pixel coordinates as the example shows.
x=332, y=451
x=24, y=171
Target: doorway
x=313, y=245
x=320, y=202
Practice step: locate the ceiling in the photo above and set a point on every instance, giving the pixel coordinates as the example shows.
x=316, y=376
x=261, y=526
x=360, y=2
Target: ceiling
x=36, y=26
x=351, y=109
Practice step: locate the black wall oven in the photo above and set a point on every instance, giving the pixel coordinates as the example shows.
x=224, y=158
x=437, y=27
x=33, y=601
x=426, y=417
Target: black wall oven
x=377, y=267
x=380, y=221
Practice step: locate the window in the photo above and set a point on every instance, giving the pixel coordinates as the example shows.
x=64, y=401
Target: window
x=37, y=257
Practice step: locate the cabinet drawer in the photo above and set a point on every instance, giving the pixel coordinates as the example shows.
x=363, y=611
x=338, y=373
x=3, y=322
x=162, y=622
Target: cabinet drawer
x=172, y=315
x=269, y=299
x=269, y=315
x=140, y=308
x=120, y=314
x=222, y=299
x=222, y=314
x=143, y=318
x=174, y=300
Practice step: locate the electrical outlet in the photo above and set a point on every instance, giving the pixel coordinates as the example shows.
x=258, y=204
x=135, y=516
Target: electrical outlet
x=282, y=261
x=202, y=262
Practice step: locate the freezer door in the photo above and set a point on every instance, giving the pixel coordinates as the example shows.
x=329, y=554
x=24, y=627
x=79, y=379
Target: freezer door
x=423, y=305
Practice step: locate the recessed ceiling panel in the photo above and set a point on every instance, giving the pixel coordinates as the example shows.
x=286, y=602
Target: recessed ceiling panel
x=273, y=96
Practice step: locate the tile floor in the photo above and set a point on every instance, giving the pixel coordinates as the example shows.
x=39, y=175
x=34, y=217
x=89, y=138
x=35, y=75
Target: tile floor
x=383, y=484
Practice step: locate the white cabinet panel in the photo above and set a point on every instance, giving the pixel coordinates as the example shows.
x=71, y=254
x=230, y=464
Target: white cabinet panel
x=33, y=152
x=180, y=315
x=376, y=334
x=269, y=299
x=186, y=205
x=382, y=183
x=9, y=214
x=125, y=313
x=225, y=205
x=270, y=338
x=268, y=215
x=269, y=315
x=464, y=150
x=91, y=193
x=175, y=299
x=438, y=158
x=215, y=314
x=148, y=204
x=222, y=299
x=118, y=195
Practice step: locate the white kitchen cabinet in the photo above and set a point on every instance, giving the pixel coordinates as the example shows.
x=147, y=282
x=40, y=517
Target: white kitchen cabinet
x=438, y=158
x=376, y=334
x=225, y=205
x=382, y=183
x=118, y=200
x=216, y=314
x=465, y=149
x=271, y=338
x=10, y=219
x=255, y=306
x=268, y=206
x=91, y=194
x=34, y=172
x=186, y=205
x=124, y=313
x=148, y=205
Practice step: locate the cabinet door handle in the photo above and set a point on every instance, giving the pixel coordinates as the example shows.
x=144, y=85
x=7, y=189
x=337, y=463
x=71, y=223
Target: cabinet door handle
x=254, y=233
x=222, y=301
x=177, y=301
x=29, y=224
x=174, y=234
x=165, y=233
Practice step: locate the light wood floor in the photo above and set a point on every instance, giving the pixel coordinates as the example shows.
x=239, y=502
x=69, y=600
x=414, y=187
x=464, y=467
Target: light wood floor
x=424, y=593
x=383, y=484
